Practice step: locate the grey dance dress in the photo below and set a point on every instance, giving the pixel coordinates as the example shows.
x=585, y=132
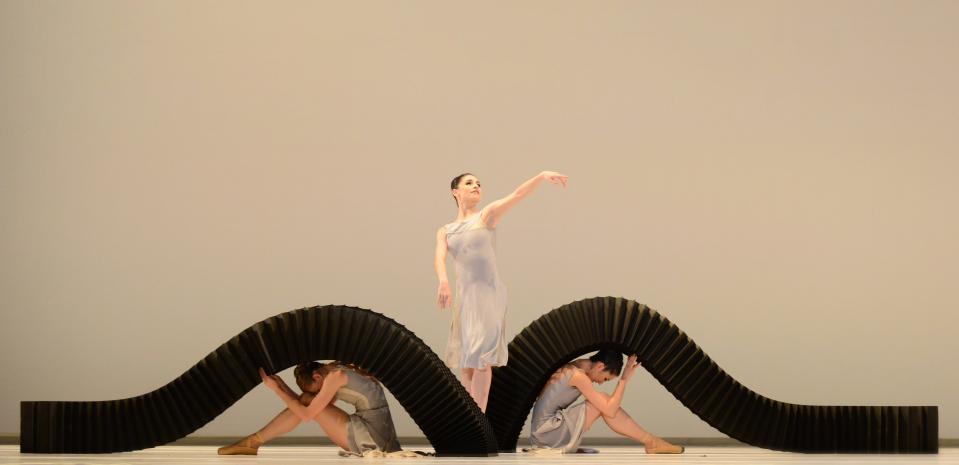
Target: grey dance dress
x=556, y=423
x=371, y=427
x=477, y=336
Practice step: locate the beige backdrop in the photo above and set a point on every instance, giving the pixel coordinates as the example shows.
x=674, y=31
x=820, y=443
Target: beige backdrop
x=777, y=178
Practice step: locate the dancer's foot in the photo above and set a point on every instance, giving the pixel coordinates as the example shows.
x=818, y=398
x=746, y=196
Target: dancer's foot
x=660, y=446
x=245, y=446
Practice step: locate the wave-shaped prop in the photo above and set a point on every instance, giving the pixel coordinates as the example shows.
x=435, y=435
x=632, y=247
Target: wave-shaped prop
x=441, y=407
x=699, y=383
x=406, y=366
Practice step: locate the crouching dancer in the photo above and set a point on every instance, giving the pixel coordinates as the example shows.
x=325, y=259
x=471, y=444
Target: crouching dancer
x=559, y=425
x=369, y=429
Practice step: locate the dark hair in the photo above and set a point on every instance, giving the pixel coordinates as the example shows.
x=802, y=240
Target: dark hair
x=304, y=374
x=304, y=371
x=612, y=359
x=456, y=183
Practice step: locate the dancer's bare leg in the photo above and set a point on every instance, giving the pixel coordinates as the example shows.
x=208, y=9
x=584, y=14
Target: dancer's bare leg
x=592, y=414
x=482, y=378
x=334, y=422
x=466, y=377
x=623, y=424
x=281, y=424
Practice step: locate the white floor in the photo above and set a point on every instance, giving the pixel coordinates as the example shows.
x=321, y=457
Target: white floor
x=288, y=455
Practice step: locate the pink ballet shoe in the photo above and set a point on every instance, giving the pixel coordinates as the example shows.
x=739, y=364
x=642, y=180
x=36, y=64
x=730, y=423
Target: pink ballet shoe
x=663, y=447
x=246, y=446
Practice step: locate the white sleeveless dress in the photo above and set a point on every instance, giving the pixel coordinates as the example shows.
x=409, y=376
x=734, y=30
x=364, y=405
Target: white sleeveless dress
x=478, y=331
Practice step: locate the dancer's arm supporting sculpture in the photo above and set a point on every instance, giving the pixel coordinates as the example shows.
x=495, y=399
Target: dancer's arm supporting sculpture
x=606, y=405
x=331, y=383
x=279, y=383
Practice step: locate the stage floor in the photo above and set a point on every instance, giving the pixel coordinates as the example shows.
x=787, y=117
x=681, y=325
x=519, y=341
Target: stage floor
x=609, y=455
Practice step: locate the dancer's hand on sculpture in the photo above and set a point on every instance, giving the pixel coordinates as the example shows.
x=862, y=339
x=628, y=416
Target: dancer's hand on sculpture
x=271, y=381
x=630, y=367
x=443, y=298
x=555, y=178
x=281, y=384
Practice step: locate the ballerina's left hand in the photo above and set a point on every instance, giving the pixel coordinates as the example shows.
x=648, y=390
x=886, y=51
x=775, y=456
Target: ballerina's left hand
x=555, y=178
x=631, y=364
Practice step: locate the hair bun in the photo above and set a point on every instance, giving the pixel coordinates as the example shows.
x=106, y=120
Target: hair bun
x=305, y=368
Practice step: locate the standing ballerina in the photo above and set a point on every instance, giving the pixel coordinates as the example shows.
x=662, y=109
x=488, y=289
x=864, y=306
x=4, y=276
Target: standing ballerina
x=477, y=340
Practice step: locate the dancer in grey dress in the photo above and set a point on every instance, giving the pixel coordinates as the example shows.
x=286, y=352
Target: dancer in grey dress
x=558, y=424
x=477, y=339
x=371, y=426
x=369, y=430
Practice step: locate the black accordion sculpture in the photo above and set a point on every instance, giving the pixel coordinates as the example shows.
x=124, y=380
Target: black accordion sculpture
x=702, y=386
x=441, y=407
x=413, y=373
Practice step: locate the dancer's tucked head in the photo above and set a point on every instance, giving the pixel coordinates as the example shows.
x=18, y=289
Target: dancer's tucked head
x=309, y=376
x=466, y=188
x=605, y=365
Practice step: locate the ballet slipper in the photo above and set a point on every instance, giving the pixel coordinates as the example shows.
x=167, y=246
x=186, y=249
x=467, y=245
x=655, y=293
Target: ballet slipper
x=663, y=447
x=245, y=446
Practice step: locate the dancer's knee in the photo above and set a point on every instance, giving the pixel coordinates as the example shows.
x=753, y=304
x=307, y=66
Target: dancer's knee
x=619, y=413
x=592, y=414
x=597, y=409
x=331, y=415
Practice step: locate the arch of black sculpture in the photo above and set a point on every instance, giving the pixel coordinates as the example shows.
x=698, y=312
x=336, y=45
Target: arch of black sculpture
x=441, y=407
x=412, y=372
x=692, y=377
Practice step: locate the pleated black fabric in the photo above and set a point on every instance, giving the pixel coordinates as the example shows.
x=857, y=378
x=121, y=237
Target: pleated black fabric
x=702, y=386
x=412, y=372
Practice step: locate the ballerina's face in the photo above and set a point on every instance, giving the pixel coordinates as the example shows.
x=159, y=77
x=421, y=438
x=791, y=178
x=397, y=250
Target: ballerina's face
x=598, y=373
x=469, y=190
